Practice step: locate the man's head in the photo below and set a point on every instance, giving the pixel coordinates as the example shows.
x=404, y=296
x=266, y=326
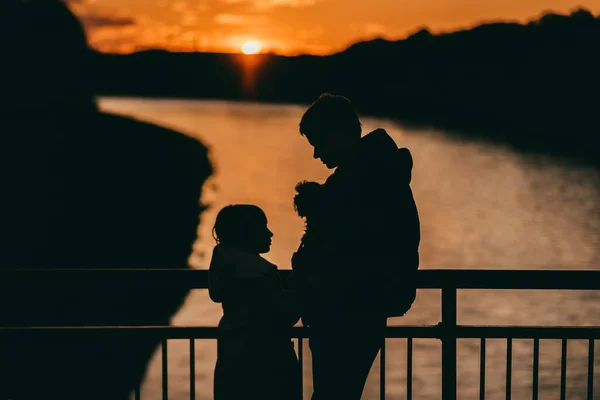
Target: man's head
x=332, y=127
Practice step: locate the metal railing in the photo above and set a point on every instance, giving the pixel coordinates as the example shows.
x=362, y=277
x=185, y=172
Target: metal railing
x=447, y=330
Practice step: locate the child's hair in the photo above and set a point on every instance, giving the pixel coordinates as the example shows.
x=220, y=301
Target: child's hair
x=233, y=223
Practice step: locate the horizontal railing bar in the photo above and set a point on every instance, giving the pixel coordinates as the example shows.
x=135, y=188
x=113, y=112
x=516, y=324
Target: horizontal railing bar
x=202, y=332
x=179, y=277
x=426, y=279
x=509, y=279
x=399, y=332
x=169, y=332
x=527, y=332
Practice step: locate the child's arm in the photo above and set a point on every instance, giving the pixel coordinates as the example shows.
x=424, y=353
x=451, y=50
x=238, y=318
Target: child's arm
x=271, y=299
x=287, y=307
x=217, y=277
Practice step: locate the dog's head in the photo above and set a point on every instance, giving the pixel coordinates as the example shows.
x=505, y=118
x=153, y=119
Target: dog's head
x=307, y=198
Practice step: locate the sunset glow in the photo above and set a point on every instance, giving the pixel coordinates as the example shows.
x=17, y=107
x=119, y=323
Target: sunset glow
x=289, y=27
x=251, y=47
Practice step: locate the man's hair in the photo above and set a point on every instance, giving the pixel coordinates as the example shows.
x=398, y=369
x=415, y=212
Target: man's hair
x=234, y=221
x=330, y=113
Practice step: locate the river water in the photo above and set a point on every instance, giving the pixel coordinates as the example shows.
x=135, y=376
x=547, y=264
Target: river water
x=482, y=206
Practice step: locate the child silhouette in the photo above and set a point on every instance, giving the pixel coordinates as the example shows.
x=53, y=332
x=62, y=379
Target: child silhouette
x=255, y=354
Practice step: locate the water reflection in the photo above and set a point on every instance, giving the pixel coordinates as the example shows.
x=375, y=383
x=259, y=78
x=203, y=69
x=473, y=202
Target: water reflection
x=481, y=206
x=249, y=65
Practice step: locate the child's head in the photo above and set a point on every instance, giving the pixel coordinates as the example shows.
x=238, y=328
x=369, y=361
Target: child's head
x=243, y=226
x=307, y=198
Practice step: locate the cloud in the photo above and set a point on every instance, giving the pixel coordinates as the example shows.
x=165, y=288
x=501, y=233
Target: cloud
x=374, y=29
x=284, y=3
x=95, y=21
x=189, y=19
x=203, y=7
x=310, y=34
x=77, y=2
x=186, y=6
x=188, y=12
x=268, y=4
x=240, y=19
x=179, y=6
x=151, y=33
x=93, y=17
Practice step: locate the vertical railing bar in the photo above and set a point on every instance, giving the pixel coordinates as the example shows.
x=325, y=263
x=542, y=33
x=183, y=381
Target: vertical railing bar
x=53, y=361
x=482, y=369
x=382, y=371
x=301, y=360
x=563, y=369
x=508, y=368
x=536, y=367
x=165, y=371
x=409, y=367
x=448, y=336
x=82, y=371
x=109, y=375
x=192, y=369
x=590, y=388
x=24, y=370
x=138, y=365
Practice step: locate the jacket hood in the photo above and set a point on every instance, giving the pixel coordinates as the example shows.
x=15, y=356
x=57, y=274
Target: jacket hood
x=379, y=151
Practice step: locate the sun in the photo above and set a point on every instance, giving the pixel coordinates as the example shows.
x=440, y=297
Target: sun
x=251, y=47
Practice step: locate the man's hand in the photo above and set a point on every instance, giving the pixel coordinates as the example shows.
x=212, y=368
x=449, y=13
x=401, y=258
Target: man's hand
x=296, y=257
x=299, y=260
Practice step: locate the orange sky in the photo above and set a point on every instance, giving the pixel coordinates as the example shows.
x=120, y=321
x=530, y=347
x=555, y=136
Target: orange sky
x=288, y=26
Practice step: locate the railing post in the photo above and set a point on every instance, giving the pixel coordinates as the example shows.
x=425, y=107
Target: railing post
x=448, y=337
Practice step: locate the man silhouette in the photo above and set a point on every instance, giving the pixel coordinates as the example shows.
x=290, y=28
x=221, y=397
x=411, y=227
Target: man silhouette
x=82, y=189
x=361, y=271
